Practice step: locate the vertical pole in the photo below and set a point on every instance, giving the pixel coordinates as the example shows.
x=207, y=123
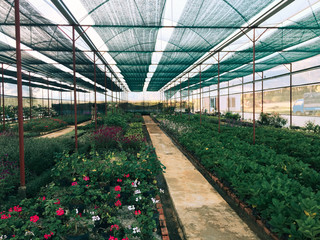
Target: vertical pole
x=242, y=98
x=30, y=96
x=200, y=93
x=75, y=89
x=228, y=98
x=3, y=110
x=42, y=100
x=170, y=97
x=48, y=98
x=254, y=86
x=95, y=91
x=290, y=95
x=209, y=101
x=262, y=93
x=180, y=100
x=20, y=107
x=112, y=94
x=61, y=112
x=189, y=97
x=219, y=92
x=105, y=91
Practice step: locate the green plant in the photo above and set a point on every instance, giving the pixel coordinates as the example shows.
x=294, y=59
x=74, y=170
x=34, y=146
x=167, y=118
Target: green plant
x=272, y=119
x=234, y=116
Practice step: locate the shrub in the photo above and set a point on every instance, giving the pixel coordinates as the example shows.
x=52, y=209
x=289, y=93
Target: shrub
x=272, y=119
x=230, y=115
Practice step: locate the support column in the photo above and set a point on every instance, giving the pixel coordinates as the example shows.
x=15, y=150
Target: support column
x=112, y=94
x=209, y=101
x=180, y=100
x=254, y=85
x=95, y=91
x=22, y=189
x=200, y=94
x=48, y=98
x=219, y=117
x=290, y=95
x=74, y=89
x=105, y=91
x=242, y=98
x=61, y=112
x=42, y=98
x=30, y=96
x=3, y=110
x=189, y=98
x=228, y=97
x=262, y=93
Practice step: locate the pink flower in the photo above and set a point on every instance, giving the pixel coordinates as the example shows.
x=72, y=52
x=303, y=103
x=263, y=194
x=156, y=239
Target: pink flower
x=118, y=196
x=96, y=207
x=86, y=178
x=60, y=212
x=114, y=226
x=43, y=198
x=137, y=212
x=118, y=203
x=125, y=238
x=113, y=238
x=34, y=218
x=17, y=208
x=58, y=202
x=126, y=175
x=47, y=236
x=117, y=188
x=5, y=216
x=10, y=210
x=74, y=183
x=119, y=180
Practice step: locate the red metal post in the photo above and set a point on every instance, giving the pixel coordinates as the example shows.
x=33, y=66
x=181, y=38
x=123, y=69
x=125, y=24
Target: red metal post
x=209, y=101
x=200, y=94
x=105, y=91
x=30, y=97
x=219, y=117
x=189, y=97
x=262, y=93
x=180, y=100
x=254, y=85
x=95, y=91
x=3, y=110
x=290, y=95
x=75, y=89
x=112, y=94
x=61, y=101
x=20, y=106
x=242, y=98
x=48, y=98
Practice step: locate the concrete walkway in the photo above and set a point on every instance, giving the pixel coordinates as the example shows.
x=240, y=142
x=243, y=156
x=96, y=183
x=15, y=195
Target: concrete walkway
x=64, y=131
x=203, y=213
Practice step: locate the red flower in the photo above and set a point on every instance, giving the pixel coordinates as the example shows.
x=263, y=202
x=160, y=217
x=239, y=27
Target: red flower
x=10, y=210
x=126, y=175
x=113, y=238
x=118, y=196
x=34, y=218
x=58, y=202
x=137, y=212
x=86, y=178
x=119, y=180
x=17, y=208
x=118, y=203
x=117, y=188
x=43, y=198
x=114, y=226
x=60, y=212
x=5, y=216
x=74, y=183
x=125, y=238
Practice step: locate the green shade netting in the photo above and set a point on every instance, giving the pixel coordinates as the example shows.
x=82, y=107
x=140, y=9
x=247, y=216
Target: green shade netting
x=286, y=44
x=140, y=41
x=48, y=40
x=204, y=13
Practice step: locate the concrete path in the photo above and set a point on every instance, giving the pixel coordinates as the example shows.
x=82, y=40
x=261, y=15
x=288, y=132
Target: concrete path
x=203, y=213
x=64, y=131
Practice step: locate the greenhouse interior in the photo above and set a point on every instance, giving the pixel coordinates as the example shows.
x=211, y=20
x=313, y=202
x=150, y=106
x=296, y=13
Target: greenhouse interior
x=160, y=119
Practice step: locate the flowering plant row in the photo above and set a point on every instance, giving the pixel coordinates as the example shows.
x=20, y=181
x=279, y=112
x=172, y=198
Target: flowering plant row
x=107, y=196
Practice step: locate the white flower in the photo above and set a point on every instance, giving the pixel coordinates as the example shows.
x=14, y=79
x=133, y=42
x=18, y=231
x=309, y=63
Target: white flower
x=77, y=211
x=136, y=230
x=29, y=233
x=138, y=198
x=92, y=213
x=137, y=191
x=3, y=237
x=95, y=218
x=131, y=208
x=161, y=190
x=154, y=200
x=135, y=183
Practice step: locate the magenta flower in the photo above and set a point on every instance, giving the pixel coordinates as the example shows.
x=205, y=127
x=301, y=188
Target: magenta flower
x=118, y=196
x=5, y=216
x=125, y=238
x=113, y=238
x=60, y=212
x=17, y=208
x=115, y=226
x=137, y=212
x=86, y=178
x=119, y=180
x=118, y=203
x=58, y=202
x=74, y=183
x=117, y=188
x=34, y=218
x=126, y=175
